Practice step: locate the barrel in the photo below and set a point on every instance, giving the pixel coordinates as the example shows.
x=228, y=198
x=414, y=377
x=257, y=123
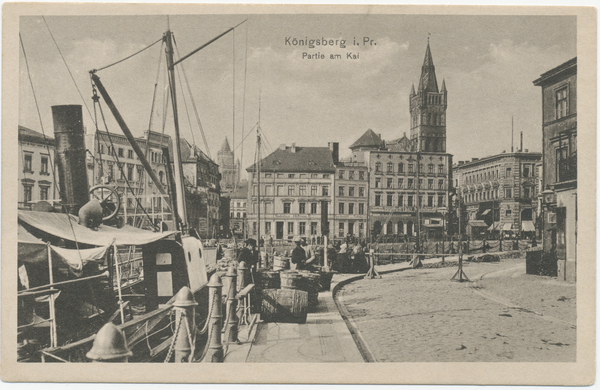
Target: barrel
x=310, y=284
x=284, y=305
x=290, y=280
x=281, y=263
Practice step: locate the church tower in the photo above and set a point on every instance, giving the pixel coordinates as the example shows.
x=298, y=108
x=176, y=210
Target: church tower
x=228, y=167
x=428, y=110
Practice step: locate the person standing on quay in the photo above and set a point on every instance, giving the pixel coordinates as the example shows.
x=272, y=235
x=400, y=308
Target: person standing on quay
x=298, y=255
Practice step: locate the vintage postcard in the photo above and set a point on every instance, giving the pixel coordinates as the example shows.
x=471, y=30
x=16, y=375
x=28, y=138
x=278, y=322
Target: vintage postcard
x=227, y=188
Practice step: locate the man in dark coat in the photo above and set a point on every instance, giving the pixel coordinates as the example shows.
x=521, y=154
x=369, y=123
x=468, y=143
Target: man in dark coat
x=298, y=255
x=248, y=254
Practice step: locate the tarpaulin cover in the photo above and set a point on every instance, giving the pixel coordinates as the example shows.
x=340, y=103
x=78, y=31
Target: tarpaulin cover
x=495, y=226
x=32, y=251
x=527, y=226
x=59, y=225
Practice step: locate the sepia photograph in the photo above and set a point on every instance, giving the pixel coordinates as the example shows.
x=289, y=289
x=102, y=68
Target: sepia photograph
x=285, y=184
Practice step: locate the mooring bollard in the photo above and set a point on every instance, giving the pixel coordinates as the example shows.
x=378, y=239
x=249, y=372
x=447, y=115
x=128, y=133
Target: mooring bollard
x=243, y=302
x=231, y=328
x=184, y=320
x=214, y=353
x=109, y=346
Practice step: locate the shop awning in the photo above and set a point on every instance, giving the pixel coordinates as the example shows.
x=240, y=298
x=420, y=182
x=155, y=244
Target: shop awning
x=486, y=212
x=477, y=223
x=507, y=226
x=66, y=227
x=527, y=226
x=495, y=226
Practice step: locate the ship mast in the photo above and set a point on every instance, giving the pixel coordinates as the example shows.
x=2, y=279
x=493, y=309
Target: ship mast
x=178, y=171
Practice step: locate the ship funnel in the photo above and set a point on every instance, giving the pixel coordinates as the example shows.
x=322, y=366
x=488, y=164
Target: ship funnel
x=69, y=143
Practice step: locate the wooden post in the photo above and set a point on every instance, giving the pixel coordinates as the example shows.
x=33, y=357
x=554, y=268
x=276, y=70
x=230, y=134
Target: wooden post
x=231, y=328
x=214, y=353
x=184, y=320
x=460, y=275
x=115, y=257
x=53, y=334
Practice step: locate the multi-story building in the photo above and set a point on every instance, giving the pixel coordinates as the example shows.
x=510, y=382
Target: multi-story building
x=228, y=167
x=559, y=177
x=409, y=179
x=499, y=192
x=36, y=182
x=294, y=181
x=203, y=197
x=237, y=209
x=350, y=205
x=115, y=164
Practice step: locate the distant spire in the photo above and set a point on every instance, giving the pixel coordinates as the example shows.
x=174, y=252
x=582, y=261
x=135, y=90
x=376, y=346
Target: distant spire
x=428, y=82
x=443, y=86
x=412, y=90
x=225, y=147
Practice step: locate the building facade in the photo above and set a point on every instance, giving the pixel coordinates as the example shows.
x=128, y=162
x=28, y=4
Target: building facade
x=203, y=190
x=559, y=177
x=237, y=210
x=36, y=182
x=114, y=163
x=409, y=179
x=499, y=193
x=350, y=200
x=228, y=167
x=294, y=181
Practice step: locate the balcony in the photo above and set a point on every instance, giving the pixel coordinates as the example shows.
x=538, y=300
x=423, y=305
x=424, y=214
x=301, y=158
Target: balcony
x=567, y=169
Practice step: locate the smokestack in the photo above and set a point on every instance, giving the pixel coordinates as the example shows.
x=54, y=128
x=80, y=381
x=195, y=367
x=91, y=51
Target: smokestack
x=69, y=143
x=521, y=149
x=335, y=151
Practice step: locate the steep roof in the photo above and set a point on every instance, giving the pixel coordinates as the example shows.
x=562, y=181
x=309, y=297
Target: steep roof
x=428, y=81
x=225, y=147
x=402, y=144
x=297, y=159
x=368, y=139
x=29, y=135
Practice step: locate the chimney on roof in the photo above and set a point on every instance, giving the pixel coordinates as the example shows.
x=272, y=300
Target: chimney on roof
x=526, y=150
x=521, y=150
x=335, y=151
x=282, y=147
x=461, y=162
x=475, y=158
x=293, y=148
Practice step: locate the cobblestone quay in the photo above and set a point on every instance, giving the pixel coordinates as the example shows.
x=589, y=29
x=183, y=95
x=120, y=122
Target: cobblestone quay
x=504, y=315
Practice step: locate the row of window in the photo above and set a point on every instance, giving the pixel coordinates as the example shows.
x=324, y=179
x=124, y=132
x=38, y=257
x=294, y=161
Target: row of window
x=408, y=200
x=290, y=190
x=528, y=192
x=28, y=192
x=351, y=210
x=430, y=118
x=351, y=175
x=238, y=215
x=527, y=170
x=409, y=183
x=155, y=157
x=268, y=175
x=342, y=229
x=290, y=228
x=28, y=163
x=410, y=168
x=351, y=191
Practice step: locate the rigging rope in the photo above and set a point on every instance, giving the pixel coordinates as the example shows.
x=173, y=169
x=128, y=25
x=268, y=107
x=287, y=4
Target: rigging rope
x=120, y=165
x=243, y=104
x=37, y=107
x=187, y=112
x=193, y=102
x=128, y=57
x=68, y=69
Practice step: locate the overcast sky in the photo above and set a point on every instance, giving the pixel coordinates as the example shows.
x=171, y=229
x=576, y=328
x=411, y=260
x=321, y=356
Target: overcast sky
x=488, y=62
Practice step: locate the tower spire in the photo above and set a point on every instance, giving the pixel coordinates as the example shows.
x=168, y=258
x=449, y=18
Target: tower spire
x=428, y=81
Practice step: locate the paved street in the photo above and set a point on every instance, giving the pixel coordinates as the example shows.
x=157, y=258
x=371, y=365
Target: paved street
x=503, y=316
